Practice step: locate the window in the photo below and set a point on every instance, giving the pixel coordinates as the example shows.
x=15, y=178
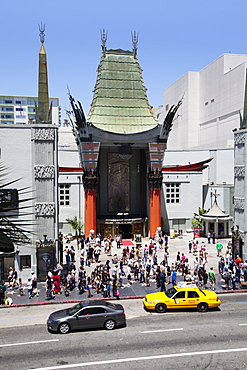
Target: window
x=180, y=295
x=20, y=109
x=31, y=109
x=6, y=102
x=7, y=109
x=167, y=107
x=92, y=311
x=172, y=192
x=97, y=310
x=31, y=102
x=9, y=198
x=7, y=116
x=18, y=102
x=193, y=294
x=64, y=194
x=25, y=262
x=20, y=116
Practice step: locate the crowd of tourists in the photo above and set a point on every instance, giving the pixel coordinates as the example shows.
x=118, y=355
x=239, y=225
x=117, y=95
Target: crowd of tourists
x=138, y=263
x=84, y=271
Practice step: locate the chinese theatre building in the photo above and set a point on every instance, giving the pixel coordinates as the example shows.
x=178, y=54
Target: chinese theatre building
x=121, y=147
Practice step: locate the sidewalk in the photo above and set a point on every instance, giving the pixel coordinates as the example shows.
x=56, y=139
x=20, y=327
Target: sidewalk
x=136, y=289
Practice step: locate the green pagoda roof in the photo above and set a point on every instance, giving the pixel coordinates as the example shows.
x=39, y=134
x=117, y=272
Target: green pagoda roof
x=120, y=102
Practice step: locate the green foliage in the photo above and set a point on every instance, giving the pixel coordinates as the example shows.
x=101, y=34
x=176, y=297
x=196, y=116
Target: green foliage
x=75, y=224
x=202, y=211
x=14, y=217
x=196, y=223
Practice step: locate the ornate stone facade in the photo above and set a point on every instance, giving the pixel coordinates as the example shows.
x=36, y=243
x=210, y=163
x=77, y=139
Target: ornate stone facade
x=90, y=180
x=44, y=171
x=239, y=203
x=239, y=138
x=45, y=209
x=155, y=180
x=44, y=134
x=239, y=171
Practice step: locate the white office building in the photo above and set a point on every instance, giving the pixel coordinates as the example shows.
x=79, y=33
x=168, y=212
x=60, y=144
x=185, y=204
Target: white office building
x=213, y=100
x=21, y=109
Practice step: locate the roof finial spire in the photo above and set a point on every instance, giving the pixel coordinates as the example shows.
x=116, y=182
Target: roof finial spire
x=42, y=32
x=103, y=38
x=215, y=196
x=134, y=42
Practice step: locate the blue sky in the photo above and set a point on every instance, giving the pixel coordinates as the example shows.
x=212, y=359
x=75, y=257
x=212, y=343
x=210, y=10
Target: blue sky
x=175, y=36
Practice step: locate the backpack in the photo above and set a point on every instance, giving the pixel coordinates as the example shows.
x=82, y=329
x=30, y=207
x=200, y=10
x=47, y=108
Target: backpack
x=148, y=268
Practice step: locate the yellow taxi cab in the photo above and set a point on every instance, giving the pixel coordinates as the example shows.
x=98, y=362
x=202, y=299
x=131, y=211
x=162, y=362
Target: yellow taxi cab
x=184, y=295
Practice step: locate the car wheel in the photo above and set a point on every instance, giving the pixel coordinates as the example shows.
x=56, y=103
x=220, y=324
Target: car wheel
x=64, y=328
x=160, y=308
x=202, y=307
x=110, y=325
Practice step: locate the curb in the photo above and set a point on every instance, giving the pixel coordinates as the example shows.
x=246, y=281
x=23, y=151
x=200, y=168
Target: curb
x=34, y=304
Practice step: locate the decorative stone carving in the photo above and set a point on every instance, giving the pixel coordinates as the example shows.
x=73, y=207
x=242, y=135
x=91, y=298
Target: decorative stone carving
x=118, y=194
x=239, y=138
x=239, y=203
x=44, y=171
x=90, y=180
x=44, y=134
x=155, y=180
x=239, y=171
x=45, y=209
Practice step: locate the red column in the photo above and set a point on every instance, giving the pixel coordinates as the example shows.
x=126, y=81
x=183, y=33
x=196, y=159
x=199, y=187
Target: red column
x=90, y=212
x=154, y=211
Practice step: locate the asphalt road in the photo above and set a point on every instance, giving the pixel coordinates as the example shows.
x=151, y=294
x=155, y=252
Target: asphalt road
x=174, y=340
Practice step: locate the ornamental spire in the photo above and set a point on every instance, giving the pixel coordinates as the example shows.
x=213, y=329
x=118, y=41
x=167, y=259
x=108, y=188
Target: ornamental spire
x=42, y=32
x=43, y=113
x=134, y=42
x=103, y=39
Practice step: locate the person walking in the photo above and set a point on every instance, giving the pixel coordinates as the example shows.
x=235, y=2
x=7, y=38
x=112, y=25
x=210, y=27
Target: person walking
x=162, y=281
x=204, y=278
x=20, y=287
x=48, y=288
x=34, y=284
x=212, y=279
x=2, y=292
x=10, y=277
x=174, y=277
x=219, y=248
x=14, y=278
x=190, y=246
x=29, y=288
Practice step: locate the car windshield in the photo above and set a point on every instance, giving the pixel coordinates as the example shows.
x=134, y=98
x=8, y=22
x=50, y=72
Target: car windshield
x=75, y=309
x=111, y=305
x=170, y=292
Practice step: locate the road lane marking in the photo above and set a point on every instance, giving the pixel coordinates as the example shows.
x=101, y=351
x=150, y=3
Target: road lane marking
x=242, y=324
x=159, y=331
x=24, y=343
x=144, y=358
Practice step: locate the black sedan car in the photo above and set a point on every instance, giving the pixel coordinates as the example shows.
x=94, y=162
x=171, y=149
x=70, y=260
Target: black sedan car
x=87, y=315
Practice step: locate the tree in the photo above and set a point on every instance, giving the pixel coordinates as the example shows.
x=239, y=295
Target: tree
x=75, y=224
x=14, y=224
x=196, y=222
